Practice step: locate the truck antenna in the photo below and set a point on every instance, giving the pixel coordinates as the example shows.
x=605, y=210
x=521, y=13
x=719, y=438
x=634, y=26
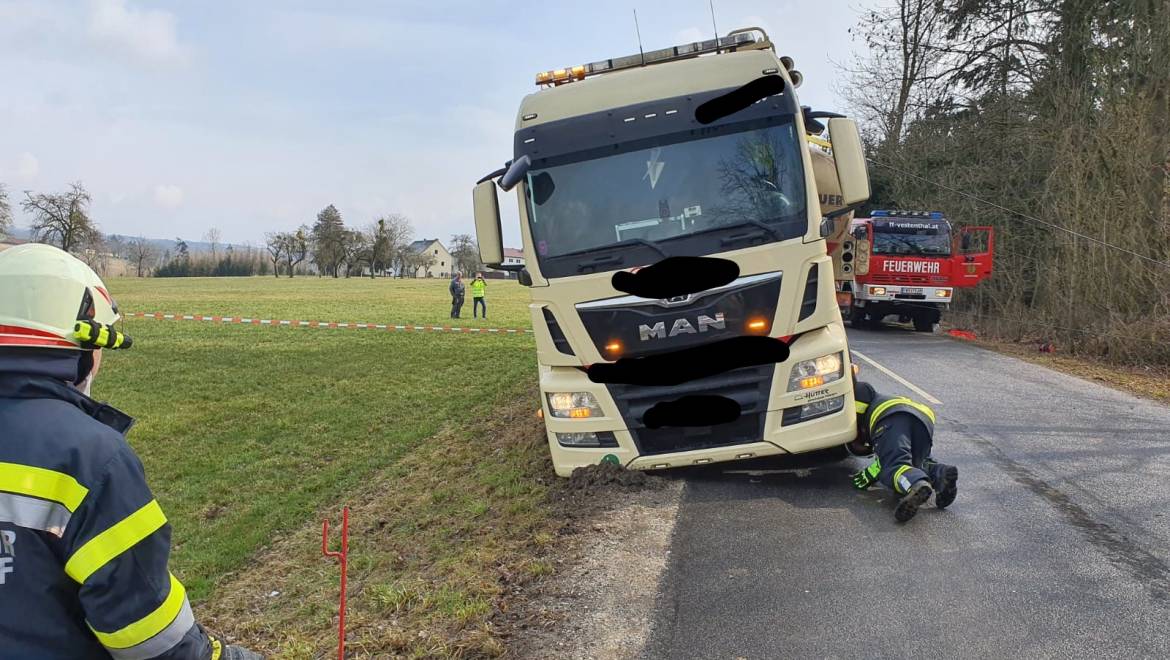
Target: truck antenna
x=639, y=31
x=711, y=4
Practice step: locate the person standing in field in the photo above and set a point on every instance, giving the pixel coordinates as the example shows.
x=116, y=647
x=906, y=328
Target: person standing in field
x=478, y=286
x=457, y=290
x=84, y=545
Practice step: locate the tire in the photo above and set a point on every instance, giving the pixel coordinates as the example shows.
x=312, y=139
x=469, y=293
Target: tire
x=923, y=324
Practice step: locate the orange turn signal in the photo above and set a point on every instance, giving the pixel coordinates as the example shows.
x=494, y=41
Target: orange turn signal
x=614, y=347
x=580, y=413
x=811, y=381
x=757, y=325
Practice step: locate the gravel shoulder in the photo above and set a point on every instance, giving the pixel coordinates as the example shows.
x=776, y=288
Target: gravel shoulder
x=599, y=603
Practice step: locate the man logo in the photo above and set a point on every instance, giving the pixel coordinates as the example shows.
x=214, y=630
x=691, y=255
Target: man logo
x=682, y=327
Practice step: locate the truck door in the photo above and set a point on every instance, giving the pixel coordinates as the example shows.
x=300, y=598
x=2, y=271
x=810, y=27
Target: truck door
x=974, y=248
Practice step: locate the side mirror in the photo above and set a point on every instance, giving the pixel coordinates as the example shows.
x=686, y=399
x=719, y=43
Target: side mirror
x=524, y=277
x=515, y=173
x=487, y=223
x=849, y=156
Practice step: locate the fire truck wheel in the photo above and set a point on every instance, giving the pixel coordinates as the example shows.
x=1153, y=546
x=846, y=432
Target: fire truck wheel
x=923, y=324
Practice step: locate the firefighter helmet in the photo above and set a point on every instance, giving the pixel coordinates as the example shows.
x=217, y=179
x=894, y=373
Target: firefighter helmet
x=51, y=299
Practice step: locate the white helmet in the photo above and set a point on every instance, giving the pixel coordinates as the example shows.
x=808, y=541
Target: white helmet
x=51, y=299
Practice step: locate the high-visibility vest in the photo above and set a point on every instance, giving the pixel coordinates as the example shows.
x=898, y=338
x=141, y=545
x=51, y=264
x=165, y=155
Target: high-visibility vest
x=477, y=288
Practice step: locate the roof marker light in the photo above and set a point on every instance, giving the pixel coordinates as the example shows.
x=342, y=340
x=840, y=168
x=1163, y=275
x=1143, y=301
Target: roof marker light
x=671, y=112
x=746, y=38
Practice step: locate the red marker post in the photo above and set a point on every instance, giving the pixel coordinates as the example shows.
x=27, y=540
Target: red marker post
x=342, y=556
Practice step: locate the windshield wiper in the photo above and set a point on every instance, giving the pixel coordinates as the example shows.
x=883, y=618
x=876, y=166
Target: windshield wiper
x=771, y=231
x=626, y=243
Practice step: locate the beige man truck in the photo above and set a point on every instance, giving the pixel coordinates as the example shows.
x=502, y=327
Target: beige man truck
x=621, y=164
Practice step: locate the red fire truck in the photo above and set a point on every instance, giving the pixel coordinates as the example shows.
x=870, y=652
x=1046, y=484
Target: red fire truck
x=908, y=263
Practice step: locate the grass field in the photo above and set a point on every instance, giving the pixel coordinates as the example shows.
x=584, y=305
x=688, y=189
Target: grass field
x=251, y=434
x=364, y=300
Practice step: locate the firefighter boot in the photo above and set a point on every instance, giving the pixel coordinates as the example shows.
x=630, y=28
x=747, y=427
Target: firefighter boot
x=919, y=493
x=945, y=479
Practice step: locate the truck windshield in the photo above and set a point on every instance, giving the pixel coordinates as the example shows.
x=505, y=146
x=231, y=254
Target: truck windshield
x=659, y=192
x=912, y=239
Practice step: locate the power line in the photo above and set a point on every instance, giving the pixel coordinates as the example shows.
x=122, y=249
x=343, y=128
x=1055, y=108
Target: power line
x=1022, y=215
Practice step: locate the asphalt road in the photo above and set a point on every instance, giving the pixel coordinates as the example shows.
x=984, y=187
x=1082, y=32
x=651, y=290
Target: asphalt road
x=1058, y=545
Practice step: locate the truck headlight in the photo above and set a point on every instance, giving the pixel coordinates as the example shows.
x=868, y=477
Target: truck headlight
x=942, y=293
x=816, y=372
x=574, y=405
x=877, y=290
x=588, y=439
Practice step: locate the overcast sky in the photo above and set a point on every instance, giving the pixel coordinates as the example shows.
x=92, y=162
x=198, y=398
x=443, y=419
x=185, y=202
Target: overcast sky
x=252, y=116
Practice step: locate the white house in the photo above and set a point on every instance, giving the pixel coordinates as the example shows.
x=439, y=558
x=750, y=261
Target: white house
x=441, y=264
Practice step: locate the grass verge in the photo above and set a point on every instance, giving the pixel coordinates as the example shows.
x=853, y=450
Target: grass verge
x=442, y=542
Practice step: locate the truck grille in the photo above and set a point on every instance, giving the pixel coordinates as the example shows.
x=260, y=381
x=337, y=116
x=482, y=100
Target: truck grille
x=930, y=280
x=749, y=387
x=644, y=326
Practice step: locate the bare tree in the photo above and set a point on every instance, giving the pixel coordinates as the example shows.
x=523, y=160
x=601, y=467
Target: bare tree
x=275, y=244
x=5, y=212
x=62, y=219
x=141, y=253
x=212, y=236
x=416, y=261
x=900, y=76
x=296, y=248
x=399, y=232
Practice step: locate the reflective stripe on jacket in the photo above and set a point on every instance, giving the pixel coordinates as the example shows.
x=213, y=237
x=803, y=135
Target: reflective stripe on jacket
x=869, y=414
x=477, y=288
x=84, y=545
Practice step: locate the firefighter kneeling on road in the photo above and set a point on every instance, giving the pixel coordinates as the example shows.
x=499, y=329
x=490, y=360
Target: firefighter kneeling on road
x=901, y=434
x=83, y=543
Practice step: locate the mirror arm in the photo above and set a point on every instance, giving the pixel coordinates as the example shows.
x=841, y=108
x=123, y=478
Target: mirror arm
x=498, y=173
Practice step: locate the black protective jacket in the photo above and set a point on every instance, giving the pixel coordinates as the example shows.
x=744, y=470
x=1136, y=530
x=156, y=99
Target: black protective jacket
x=83, y=543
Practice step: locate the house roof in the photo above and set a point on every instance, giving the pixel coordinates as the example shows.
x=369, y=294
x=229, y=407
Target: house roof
x=419, y=246
x=513, y=252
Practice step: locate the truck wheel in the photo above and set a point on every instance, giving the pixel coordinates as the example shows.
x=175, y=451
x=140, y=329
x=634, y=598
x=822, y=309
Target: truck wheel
x=923, y=324
x=859, y=319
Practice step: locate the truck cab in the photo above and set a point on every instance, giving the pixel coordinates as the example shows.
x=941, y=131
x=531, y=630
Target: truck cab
x=697, y=150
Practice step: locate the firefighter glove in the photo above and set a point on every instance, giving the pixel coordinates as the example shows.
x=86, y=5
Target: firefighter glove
x=863, y=479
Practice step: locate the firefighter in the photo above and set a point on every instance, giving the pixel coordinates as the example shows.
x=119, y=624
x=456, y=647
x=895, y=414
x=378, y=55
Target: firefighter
x=901, y=434
x=83, y=543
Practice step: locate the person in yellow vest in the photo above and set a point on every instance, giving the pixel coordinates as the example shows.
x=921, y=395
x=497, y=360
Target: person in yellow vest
x=900, y=433
x=478, y=286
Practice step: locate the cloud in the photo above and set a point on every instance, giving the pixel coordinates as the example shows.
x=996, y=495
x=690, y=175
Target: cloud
x=168, y=196
x=27, y=166
x=148, y=34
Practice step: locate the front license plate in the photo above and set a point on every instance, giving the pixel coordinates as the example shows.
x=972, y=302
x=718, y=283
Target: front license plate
x=911, y=291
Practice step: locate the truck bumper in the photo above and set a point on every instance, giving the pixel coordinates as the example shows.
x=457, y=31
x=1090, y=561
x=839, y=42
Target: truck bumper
x=835, y=427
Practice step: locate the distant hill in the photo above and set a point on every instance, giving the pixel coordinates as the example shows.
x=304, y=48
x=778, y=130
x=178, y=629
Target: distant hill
x=160, y=244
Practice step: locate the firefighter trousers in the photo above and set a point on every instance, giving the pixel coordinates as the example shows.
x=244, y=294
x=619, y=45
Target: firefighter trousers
x=902, y=444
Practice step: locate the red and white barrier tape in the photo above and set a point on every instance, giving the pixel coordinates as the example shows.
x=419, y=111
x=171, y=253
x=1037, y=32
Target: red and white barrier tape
x=324, y=324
